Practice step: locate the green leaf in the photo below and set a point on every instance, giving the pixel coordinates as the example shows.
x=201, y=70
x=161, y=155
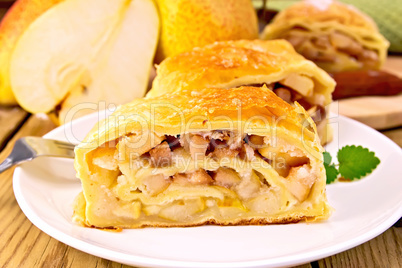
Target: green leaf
x=327, y=158
x=332, y=173
x=356, y=162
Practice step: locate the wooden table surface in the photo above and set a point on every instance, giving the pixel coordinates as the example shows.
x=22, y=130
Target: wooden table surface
x=24, y=245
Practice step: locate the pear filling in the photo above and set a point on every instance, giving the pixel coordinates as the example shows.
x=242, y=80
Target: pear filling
x=325, y=47
x=221, y=171
x=300, y=88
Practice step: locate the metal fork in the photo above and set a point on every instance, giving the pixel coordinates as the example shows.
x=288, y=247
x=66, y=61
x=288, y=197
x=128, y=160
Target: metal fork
x=28, y=148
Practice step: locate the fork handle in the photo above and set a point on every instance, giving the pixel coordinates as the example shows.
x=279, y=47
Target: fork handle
x=6, y=165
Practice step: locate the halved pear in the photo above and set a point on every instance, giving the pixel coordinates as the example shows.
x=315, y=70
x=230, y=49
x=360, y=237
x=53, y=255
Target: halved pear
x=12, y=26
x=81, y=53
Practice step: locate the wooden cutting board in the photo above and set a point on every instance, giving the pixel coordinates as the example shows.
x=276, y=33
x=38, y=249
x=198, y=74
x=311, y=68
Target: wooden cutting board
x=379, y=112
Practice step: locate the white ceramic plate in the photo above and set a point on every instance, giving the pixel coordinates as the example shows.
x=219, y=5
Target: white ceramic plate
x=45, y=189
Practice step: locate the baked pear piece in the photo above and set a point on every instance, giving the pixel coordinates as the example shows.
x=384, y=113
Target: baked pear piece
x=235, y=156
x=230, y=64
x=336, y=36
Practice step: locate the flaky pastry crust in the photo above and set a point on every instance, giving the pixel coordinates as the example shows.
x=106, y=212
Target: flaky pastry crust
x=238, y=63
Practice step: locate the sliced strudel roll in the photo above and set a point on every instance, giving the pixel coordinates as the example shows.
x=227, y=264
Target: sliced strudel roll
x=230, y=157
x=251, y=63
x=336, y=36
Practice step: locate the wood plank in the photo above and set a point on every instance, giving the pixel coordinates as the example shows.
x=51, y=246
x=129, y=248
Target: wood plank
x=10, y=120
x=17, y=234
x=308, y=265
x=379, y=112
x=395, y=135
x=383, y=251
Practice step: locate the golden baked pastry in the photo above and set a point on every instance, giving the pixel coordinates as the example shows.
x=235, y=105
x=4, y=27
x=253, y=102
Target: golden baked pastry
x=230, y=157
x=230, y=64
x=336, y=36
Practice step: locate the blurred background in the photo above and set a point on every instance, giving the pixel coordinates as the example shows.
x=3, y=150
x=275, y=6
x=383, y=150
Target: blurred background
x=386, y=13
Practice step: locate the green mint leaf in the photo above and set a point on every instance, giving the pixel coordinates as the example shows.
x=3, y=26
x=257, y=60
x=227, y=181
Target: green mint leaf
x=356, y=162
x=331, y=172
x=327, y=158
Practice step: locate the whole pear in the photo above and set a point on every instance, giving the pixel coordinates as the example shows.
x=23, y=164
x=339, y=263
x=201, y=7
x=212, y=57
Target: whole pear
x=186, y=24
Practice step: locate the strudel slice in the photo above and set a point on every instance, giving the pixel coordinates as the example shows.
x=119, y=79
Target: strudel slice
x=336, y=36
x=235, y=156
